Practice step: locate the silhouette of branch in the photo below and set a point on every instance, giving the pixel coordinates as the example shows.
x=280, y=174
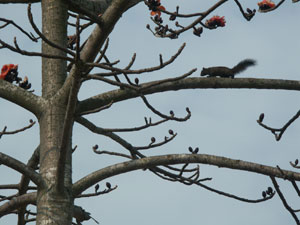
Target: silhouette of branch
x=188, y=83
x=195, y=181
x=96, y=110
x=21, y=168
x=153, y=161
x=295, y=187
x=284, y=202
x=40, y=34
x=250, y=13
x=100, y=57
x=116, y=70
x=278, y=132
x=172, y=115
x=294, y=164
x=132, y=149
x=148, y=123
x=67, y=126
x=97, y=193
x=23, y=52
x=7, y=22
x=24, y=182
x=160, y=82
x=17, y=202
x=10, y=197
x=15, y=186
x=110, y=153
x=115, y=83
x=4, y=132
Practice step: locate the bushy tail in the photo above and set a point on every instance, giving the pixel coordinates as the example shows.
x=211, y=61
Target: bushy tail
x=243, y=65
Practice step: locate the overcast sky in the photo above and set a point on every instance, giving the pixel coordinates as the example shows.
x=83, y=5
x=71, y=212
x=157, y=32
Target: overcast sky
x=223, y=122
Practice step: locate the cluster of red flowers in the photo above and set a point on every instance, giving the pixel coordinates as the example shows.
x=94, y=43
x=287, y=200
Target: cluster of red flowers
x=155, y=7
x=266, y=4
x=9, y=72
x=215, y=21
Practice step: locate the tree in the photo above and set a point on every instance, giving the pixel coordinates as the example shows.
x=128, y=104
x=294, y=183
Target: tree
x=64, y=70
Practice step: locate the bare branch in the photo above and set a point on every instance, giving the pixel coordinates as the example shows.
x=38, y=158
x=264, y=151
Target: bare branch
x=30, y=18
x=4, y=132
x=4, y=198
x=190, y=181
x=278, y=132
x=148, y=124
x=249, y=15
x=67, y=127
x=77, y=40
x=24, y=182
x=97, y=193
x=22, y=168
x=153, y=161
x=17, y=202
x=30, y=36
x=159, y=82
x=110, y=153
x=21, y=97
x=15, y=186
x=97, y=110
x=284, y=202
x=102, y=54
x=171, y=117
x=295, y=187
x=116, y=70
x=23, y=52
x=132, y=149
x=188, y=83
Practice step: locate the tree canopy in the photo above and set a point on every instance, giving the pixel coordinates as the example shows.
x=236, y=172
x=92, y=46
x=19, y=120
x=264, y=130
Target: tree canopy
x=223, y=122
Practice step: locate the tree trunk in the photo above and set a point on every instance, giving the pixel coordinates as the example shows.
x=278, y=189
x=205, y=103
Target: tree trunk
x=53, y=206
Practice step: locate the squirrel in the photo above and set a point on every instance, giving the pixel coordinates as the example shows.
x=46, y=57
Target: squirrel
x=222, y=71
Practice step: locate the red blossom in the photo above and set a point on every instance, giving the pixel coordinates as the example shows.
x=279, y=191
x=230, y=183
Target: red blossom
x=216, y=21
x=266, y=4
x=157, y=11
x=6, y=68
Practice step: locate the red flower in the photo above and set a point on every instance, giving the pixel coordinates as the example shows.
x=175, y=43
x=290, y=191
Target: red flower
x=266, y=4
x=216, y=21
x=157, y=10
x=6, y=69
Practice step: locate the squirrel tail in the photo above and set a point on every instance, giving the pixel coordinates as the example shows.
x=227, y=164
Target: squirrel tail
x=241, y=66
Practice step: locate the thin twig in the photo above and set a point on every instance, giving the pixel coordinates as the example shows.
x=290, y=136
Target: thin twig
x=279, y=130
x=30, y=18
x=116, y=70
x=30, y=36
x=284, y=202
x=106, y=191
x=171, y=117
x=4, y=132
x=23, y=52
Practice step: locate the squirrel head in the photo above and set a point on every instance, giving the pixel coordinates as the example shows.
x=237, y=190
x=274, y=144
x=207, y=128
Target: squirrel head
x=204, y=71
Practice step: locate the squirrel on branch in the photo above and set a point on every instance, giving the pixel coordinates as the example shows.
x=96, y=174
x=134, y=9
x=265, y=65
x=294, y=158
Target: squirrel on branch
x=222, y=71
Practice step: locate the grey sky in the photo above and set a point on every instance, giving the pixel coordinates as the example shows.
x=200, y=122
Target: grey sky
x=223, y=121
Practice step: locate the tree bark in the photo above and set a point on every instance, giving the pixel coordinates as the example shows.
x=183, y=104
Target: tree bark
x=54, y=206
